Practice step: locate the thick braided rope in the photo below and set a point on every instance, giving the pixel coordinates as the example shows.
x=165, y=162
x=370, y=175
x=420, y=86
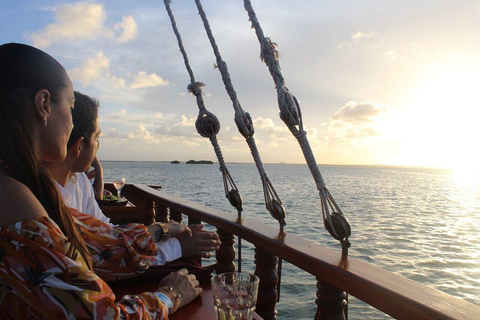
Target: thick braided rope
x=222, y=66
x=207, y=123
x=242, y=119
x=194, y=87
x=219, y=154
x=245, y=126
x=256, y=156
x=289, y=108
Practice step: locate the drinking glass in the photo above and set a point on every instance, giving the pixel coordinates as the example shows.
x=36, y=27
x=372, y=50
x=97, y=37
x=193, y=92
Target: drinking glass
x=119, y=184
x=235, y=295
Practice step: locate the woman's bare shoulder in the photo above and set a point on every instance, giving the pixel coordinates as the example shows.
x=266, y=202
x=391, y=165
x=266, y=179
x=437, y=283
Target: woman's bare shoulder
x=17, y=202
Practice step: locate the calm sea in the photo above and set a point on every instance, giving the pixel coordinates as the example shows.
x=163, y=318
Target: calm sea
x=423, y=224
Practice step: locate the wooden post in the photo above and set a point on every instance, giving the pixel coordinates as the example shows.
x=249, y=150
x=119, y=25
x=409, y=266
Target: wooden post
x=161, y=212
x=330, y=302
x=176, y=215
x=226, y=254
x=149, y=213
x=266, y=264
x=193, y=220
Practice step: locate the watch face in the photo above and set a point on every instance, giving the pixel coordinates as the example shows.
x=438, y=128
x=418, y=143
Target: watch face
x=164, y=229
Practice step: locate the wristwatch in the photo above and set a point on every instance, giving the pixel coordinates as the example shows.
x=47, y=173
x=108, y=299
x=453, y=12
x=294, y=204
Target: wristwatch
x=164, y=228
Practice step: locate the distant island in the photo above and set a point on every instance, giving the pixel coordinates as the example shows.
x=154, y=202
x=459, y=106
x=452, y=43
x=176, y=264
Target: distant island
x=199, y=162
x=175, y=162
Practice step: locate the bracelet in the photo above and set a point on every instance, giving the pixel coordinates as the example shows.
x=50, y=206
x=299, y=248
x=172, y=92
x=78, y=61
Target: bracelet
x=166, y=300
x=171, y=307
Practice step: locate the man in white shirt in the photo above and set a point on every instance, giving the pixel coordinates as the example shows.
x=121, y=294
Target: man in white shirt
x=77, y=192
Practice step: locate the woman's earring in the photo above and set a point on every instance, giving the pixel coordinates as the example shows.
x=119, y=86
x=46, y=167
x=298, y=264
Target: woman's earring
x=45, y=122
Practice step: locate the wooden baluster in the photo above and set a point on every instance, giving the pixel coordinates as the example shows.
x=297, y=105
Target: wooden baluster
x=226, y=254
x=161, y=212
x=330, y=302
x=193, y=220
x=266, y=264
x=176, y=215
x=149, y=213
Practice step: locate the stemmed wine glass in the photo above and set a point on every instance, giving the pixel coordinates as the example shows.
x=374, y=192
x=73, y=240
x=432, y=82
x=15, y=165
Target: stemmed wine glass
x=119, y=184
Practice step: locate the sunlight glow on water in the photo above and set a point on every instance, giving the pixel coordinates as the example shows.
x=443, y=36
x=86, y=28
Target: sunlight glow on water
x=420, y=223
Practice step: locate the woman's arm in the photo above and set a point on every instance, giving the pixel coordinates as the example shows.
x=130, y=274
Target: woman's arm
x=17, y=197
x=56, y=286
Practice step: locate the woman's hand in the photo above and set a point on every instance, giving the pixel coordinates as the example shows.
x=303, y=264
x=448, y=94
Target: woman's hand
x=183, y=284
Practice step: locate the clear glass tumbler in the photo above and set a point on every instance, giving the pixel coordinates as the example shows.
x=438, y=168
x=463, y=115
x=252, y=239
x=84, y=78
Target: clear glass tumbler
x=235, y=295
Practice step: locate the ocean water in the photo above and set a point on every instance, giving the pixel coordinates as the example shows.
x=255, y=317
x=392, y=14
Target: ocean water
x=423, y=224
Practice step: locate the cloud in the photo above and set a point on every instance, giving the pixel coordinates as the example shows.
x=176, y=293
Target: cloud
x=96, y=72
x=78, y=21
x=91, y=70
x=405, y=50
x=142, y=80
x=275, y=134
x=128, y=30
x=356, y=38
x=354, y=112
x=358, y=122
x=179, y=127
x=141, y=133
x=361, y=35
x=85, y=21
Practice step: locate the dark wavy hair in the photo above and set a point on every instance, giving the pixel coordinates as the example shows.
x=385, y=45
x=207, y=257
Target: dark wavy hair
x=24, y=70
x=84, y=117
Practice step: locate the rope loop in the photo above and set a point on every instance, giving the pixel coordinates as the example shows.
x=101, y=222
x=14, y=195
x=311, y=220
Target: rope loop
x=207, y=124
x=244, y=123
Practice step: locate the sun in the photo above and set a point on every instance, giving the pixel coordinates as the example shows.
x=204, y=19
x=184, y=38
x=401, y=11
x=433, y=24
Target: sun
x=442, y=125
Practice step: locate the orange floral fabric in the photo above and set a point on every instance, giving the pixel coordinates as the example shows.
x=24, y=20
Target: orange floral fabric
x=41, y=277
x=118, y=252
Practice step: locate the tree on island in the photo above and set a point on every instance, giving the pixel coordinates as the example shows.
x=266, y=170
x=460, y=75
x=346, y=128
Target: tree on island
x=199, y=162
x=175, y=162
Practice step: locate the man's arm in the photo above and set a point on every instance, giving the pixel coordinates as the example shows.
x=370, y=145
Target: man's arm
x=98, y=182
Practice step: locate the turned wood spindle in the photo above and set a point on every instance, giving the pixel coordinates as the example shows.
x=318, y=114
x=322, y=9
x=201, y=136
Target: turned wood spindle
x=266, y=270
x=149, y=213
x=226, y=254
x=330, y=302
x=176, y=215
x=161, y=212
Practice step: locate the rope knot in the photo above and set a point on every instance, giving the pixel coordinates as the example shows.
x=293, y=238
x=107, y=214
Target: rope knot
x=244, y=123
x=195, y=88
x=269, y=49
x=207, y=124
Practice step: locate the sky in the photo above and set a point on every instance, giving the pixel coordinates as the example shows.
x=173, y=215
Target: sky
x=378, y=82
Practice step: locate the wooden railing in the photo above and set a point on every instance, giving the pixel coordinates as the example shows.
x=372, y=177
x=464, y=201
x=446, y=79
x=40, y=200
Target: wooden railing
x=397, y=296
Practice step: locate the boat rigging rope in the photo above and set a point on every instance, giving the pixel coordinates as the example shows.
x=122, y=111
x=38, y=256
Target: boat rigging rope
x=208, y=126
x=335, y=221
x=245, y=127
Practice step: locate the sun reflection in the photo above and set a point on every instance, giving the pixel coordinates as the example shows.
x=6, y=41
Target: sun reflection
x=467, y=176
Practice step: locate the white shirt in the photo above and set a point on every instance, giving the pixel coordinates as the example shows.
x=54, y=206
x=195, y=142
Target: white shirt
x=78, y=193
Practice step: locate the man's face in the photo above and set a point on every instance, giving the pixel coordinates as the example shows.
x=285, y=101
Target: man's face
x=88, y=150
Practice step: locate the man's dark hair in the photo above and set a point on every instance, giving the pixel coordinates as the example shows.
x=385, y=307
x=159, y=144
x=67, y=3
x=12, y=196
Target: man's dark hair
x=84, y=114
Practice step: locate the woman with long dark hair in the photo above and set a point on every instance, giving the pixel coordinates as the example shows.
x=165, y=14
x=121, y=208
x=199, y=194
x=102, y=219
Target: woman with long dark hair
x=45, y=267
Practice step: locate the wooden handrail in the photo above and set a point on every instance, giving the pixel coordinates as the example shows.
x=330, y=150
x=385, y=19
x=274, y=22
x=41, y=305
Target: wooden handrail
x=393, y=294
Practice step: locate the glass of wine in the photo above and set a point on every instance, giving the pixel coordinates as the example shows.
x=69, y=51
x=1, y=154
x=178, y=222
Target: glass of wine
x=119, y=184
